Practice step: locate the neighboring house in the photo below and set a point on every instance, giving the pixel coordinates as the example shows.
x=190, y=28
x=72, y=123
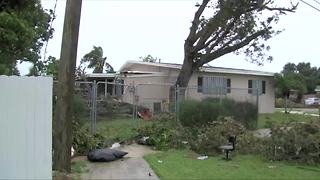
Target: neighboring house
x=148, y=84
x=108, y=80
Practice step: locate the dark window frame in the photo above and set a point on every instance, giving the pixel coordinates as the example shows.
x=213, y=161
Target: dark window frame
x=250, y=86
x=200, y=84
x=228, y=85
x=263, y=87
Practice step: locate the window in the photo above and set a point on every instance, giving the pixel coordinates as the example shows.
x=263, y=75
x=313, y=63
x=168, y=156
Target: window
x=214, y=85
x=228, y=85
x=200, y=80
x=156, y=107
x=250, y=86
x=255, y=86
x=263, y=87
x=119, y=88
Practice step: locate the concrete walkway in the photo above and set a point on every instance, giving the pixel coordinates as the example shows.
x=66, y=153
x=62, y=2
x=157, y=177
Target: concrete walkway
x=132, y=166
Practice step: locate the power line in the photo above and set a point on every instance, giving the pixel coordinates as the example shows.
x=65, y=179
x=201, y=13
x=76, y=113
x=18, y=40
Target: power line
x=316, y=1
x=311, y=5
x=50, y=27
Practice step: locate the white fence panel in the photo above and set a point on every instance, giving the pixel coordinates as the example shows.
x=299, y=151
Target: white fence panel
x=25, y=127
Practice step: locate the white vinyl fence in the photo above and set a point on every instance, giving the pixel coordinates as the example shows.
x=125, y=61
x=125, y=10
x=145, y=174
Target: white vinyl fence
x=25, y=127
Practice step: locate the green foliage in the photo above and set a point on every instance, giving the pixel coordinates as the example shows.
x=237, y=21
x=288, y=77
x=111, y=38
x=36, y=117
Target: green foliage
x=247, y=114
x=84, y=141
x=160, y=135
x=301, y=77
x=120, y=129
x=80, y=109
x=222, y=27
x=149, y=58
x=199, y=113
x=216, y=134
x=96, y=60
x=163, y=134
x=287, y=82
x=247, y=143
x=279, y=103
x=296, y=141
x=51, y=67
x=24, y=27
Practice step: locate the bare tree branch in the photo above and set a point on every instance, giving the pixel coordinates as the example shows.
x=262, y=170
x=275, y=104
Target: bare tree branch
x=226, y=31
x=196, y=21
x=222, y=51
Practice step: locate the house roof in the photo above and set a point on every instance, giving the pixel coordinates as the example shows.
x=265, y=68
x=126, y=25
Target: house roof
x=128, y=64
x=102, y=75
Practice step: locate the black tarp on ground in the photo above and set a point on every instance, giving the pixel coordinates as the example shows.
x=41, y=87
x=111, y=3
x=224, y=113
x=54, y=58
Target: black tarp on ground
x=105, y=155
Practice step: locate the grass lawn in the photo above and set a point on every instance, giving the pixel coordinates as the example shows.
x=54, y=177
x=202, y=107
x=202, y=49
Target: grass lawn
x=264, y=120
x=184, y=165
x=120, y=129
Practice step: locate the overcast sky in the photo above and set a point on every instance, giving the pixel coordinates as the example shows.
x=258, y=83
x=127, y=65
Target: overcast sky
x=128, y=29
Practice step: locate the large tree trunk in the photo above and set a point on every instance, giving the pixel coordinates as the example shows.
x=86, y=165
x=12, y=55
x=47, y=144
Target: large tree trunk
x=63, y=117
x=187, y=69
x=185, y=73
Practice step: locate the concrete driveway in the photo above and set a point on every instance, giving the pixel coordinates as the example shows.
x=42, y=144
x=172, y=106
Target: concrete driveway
x=132, y=166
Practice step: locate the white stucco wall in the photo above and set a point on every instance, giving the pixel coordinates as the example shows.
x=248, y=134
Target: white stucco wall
x=239, y=86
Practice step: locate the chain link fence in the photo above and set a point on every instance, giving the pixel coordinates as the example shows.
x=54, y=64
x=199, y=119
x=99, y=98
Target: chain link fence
x=96, y=101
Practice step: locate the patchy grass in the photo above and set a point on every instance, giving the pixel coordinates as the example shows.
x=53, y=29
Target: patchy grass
x=307, y=110
x=120, y=129
x=265, y=120
x=78, y=168
x=184, y=165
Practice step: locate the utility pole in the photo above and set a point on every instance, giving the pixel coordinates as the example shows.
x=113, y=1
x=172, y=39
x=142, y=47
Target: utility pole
x=63, y=116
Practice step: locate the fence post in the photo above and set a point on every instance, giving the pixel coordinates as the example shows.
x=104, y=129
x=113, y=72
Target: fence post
x=91, y=106
x=134, y=105
x=94, y=106
x=257, y=93
x=177, y=94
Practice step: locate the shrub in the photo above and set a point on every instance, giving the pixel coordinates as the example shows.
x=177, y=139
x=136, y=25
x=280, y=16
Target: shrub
x=84, y=141
x=80, y=109
x=298, y=142
x=279, y=103
x=164, y=133
x=165, y=117
x=216, y=134
x=247, y=114
x=199, y=113
x=247, y=143
x=160, y=135
x=187, y=114
x=196, y=113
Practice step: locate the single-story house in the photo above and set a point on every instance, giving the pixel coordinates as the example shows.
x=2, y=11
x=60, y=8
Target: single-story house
x=148, y=84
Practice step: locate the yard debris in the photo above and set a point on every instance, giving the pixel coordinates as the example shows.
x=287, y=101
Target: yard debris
x=144, y=140
x=72, y=151
x=260, y=133
x=105, y=155
x=184, y=142
x=202, y=157
x=159, y=161
x=145, y=114
x=272, y=167
x=115, y=145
